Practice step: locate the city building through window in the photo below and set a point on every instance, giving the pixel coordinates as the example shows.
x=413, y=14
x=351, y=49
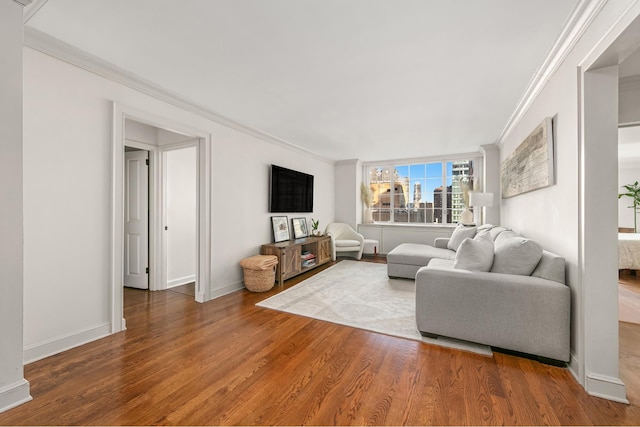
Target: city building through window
x=426, y=193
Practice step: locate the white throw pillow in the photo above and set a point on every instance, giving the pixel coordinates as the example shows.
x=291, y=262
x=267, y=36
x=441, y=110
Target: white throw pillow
x=475, y=254
x=459, y=234
x=514, y=254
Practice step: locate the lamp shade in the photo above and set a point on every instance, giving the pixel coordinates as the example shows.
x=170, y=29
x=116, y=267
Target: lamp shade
x=480, y=199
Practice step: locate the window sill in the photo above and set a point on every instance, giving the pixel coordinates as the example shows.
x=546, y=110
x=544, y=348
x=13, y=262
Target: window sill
x=408, y=225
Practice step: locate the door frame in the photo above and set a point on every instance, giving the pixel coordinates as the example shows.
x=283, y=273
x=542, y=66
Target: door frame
x=122, y=112
x=597, y=264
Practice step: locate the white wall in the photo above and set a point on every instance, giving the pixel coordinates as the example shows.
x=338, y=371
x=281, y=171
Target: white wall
x=347, y=192
x=491, y=181
x=551, y=215
x=67, y=199
x=13, y=387
x=629, y=100
x=390, y=237
x=181, y=200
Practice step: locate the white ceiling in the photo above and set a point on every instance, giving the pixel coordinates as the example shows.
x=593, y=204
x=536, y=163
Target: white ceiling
x=344, y=79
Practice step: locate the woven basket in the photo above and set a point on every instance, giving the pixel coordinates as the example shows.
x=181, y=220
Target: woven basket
x=259, y=280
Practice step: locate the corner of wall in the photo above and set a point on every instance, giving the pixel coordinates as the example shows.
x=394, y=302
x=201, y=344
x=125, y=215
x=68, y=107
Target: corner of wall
x=491, y=180
x=348, y=208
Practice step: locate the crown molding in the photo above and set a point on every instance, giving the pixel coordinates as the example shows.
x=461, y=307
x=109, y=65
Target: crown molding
x=347, y=162
x=31, y=9
x=24, y=3
x=579, y=20
x=488, y=148
x=63, y=51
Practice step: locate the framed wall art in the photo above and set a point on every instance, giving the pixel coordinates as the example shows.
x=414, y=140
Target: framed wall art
x=280, y=225
x=299, y=228
x=530, y=166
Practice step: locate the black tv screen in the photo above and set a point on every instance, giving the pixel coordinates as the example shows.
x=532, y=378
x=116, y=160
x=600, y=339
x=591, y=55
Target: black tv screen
x=290, y=191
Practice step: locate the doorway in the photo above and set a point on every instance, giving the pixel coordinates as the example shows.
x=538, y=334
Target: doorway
x=598, y=210
x=175, y=183
x=158, y=136
x=629, y=250
x=629, y=240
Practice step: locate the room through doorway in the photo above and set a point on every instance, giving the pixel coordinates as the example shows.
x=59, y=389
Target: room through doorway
x=628, y=228
x=160, y=200
x=629, y=175
x=169, y=134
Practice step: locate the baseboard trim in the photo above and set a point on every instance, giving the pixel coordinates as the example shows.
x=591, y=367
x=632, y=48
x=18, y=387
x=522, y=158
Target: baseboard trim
x=57, y=345
x=14, y=395
x=574, y=368
x=217, y=293
x=606, y=387
x=181, y=281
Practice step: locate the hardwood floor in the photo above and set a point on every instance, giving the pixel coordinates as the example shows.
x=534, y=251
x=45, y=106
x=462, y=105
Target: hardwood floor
x=629, y=334
x=629, y=296
x=230, y=362
x=187, y=289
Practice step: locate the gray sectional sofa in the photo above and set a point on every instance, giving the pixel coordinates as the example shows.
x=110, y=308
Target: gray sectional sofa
x=491, y=286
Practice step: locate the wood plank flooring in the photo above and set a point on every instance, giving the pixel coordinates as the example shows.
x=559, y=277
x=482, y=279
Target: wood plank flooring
x=232, y=363
x=629, y=296
x=629, y=334
x=187, y=289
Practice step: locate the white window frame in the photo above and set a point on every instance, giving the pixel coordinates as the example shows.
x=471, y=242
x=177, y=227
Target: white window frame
x=476, y=157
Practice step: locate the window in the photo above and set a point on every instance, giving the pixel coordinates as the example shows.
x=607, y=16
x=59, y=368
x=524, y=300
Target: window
x=425, y=193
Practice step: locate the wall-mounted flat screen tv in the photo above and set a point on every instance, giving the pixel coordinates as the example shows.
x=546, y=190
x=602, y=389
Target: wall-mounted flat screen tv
x=290, y=191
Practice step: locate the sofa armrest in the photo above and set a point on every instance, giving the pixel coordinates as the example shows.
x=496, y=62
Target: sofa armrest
x=441, y=242
x=522, y=313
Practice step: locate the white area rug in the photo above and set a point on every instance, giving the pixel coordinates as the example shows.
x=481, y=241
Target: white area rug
x=361, y=295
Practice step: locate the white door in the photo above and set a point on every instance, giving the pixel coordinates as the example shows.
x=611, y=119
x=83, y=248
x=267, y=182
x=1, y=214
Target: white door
x=136, y=220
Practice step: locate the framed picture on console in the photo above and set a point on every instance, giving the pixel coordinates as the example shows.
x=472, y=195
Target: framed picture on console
x=299, y=228
x=280, y=225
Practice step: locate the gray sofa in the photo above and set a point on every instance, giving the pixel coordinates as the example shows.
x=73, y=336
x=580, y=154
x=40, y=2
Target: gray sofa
x=519, y=303
x=407, y=258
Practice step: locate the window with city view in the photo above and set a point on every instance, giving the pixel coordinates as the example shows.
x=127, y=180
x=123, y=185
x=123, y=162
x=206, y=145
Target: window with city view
x=426, y=193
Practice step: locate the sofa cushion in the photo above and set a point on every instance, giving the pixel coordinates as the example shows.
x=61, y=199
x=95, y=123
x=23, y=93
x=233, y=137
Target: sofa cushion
x=550, y=267
x=485, y=227
x=346, y=243
x=417, y=254
x=496, y=231
x=446, y=264
x=515, y=254
x=475, y=254
x=460, y=233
